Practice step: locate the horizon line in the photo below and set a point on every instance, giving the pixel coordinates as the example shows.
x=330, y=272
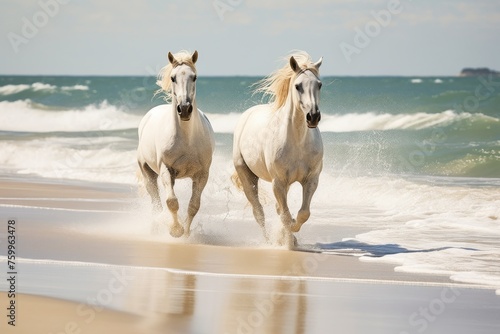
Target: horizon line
x=236, y=75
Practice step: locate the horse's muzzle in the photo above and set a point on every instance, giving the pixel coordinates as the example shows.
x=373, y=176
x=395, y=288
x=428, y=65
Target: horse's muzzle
x=184, y=110
x=313, y=119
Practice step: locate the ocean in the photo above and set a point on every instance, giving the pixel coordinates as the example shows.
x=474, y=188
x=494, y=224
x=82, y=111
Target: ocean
x=412, y=162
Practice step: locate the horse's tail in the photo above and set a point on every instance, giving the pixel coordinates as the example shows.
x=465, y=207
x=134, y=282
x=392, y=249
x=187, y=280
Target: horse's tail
x=236, y=181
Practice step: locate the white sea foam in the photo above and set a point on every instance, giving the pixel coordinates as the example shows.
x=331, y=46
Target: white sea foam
x=13, y=89
x=25, y=116
x=75, y=87
x=223, y=123
x=416, y=80
x=38, y=87
x=445, y=230
x=93, y=159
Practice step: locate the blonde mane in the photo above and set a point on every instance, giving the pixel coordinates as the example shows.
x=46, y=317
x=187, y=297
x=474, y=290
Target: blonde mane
x=276, y=86
x=182, y=58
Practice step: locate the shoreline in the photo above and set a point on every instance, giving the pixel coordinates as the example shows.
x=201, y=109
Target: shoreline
x=85, y=262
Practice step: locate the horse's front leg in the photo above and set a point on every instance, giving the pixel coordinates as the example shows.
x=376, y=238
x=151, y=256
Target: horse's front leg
x=308, y=189
x=280, y=189
x=199, y=183
x=168, y=179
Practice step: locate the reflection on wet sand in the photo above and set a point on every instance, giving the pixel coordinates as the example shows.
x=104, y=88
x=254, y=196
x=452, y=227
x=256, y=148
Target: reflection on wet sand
x=266, y=306
x=164, y=298
x=182, y=300
x=275, y=306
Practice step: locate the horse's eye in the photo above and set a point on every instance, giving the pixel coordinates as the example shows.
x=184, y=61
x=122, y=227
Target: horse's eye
x=320, y=85
x=298, y=87
x=194, y=78
x=173, y=79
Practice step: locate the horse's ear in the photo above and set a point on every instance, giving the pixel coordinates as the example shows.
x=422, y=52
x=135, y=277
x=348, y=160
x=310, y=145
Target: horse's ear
x=318, y=63
x=194, y=57
x=294, y=65
x=171, y=58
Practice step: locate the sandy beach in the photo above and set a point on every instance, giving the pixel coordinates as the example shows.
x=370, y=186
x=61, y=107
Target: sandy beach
x=77, y=272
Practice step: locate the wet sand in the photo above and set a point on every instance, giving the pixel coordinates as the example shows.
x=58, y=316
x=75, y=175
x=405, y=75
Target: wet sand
x=81, y=269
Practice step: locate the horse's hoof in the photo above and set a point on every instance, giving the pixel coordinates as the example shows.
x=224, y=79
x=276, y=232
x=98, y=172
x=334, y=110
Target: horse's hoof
x=177, y=231
x=295, y=227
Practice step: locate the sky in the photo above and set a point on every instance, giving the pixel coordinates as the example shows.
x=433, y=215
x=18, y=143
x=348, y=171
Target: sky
x=249, y=37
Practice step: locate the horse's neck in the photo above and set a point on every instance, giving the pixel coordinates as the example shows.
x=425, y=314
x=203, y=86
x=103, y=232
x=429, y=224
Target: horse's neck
x=294, y=120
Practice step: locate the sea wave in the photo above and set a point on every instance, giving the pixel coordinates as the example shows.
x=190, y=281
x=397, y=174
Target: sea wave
x=225, y=123
x=374, y=121
x=105, y=116
x=38, y=87
x=83, y=158
x=13, y=89
x=26, y=116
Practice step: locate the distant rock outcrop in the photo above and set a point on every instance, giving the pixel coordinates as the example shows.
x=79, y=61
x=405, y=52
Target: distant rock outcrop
x=482, y=71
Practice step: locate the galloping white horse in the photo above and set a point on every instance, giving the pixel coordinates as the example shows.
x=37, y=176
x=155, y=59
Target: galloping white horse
x=176, y=140
x=280, y=142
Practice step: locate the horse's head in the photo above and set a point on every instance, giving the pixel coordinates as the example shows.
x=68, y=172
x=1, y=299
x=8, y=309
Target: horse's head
x=305, y=90
x=183, y=84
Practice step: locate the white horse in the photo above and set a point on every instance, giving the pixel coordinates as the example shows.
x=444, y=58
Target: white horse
x=280, y=142
x=176, y=140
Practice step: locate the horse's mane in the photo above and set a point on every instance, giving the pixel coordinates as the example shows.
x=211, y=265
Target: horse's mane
x=277, y=85
x=182, y=58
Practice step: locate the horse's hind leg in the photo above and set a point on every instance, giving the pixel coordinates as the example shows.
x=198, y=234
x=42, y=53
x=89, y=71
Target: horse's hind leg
x=199, y=183
x=167, y=176
x=150, y=180
x=250, y=183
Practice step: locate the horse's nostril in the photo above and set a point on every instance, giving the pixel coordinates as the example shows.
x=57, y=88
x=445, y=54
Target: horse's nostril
x=308, y=116
x=179, y=109
x=190, y=108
